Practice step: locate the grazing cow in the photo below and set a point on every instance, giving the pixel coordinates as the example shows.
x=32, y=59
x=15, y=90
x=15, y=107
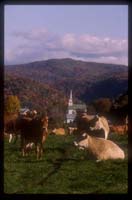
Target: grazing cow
x=100, y=148
x=119, y=129
x=100, y=123
x=59, y=131
x=33, y=131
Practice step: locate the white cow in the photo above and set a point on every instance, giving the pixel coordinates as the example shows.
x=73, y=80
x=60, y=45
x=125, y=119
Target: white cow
x=100, y=148
x=101, y=123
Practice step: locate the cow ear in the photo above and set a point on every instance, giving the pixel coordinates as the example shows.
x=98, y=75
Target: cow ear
x=84, y=134
x=97, y=116
x=42, y=120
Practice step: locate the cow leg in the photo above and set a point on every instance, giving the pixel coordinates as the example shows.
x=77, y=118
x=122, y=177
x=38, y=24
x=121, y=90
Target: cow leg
x=106, y=135
x=98, y=160
x=26, y=150
x=16, y=137
x=28, y=147
x=39, y=151
x=10, y=137
x=23, y=151
x=23, y=147
x=44, y=138
x=126, y=129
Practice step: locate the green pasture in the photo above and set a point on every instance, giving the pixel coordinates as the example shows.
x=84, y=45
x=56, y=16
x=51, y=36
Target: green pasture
x=64, y=169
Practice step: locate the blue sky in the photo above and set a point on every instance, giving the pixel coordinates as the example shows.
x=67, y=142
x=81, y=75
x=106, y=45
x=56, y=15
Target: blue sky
x=84, y=32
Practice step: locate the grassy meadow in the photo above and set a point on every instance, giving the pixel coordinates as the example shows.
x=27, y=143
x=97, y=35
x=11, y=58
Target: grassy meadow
x=64, y=169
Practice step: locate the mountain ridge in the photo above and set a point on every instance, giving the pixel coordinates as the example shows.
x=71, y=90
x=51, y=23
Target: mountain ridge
x=65, y=59
x=84, y=78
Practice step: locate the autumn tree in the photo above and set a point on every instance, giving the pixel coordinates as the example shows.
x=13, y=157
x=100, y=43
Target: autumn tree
x=12, y=104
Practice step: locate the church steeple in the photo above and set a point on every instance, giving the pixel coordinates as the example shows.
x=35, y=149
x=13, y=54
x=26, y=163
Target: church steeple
x=70, y=100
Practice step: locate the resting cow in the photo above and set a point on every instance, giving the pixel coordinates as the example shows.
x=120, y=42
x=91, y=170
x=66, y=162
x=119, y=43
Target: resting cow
x=119, y=129
x=100, y=148
x=58, y=131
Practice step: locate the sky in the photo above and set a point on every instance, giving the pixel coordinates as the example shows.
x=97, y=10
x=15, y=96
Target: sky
x=97, y=33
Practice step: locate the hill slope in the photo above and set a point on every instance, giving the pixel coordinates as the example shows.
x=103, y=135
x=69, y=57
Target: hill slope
x=88, y=80
x=35, y=95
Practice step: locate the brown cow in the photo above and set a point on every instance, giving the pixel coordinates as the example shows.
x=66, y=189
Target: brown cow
x=119, y=129
x=58, y=131
x=72, y=130
x=10, y=129
x=33, y=131
x=83, y=122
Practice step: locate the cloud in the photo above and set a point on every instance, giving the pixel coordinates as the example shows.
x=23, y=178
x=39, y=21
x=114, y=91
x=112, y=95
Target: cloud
x=40, y=44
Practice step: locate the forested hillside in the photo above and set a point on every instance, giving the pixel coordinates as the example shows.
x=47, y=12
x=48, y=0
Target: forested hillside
x=36, y=95
x=47, y=84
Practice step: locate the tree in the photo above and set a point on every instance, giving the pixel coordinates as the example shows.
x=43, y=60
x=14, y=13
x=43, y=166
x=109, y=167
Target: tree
x=12, y=104
x=103, y=105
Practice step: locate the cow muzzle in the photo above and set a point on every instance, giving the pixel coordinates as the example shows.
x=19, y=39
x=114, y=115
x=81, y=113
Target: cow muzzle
x=81, y=148
x=75, y=143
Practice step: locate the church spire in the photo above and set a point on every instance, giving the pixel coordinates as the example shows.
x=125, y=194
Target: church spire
x=71, y=94
x=70, y=100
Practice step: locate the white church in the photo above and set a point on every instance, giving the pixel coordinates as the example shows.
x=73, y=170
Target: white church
x=73, y=109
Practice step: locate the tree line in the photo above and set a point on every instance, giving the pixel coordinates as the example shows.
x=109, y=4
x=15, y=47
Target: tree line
x=114, y=109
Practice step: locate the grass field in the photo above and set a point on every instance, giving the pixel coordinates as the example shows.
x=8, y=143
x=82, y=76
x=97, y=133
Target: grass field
x=63, y=169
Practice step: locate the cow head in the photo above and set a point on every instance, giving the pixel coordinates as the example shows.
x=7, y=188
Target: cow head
x=82, y=141
x=44, y=121
x=95, y=123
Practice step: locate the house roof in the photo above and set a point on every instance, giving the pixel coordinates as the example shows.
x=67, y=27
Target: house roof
x=78, y=107
x=70, y=116
x=23, y=110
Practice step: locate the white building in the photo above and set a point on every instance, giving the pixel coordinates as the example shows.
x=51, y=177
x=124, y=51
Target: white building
x=24, y=111
x=73, y=109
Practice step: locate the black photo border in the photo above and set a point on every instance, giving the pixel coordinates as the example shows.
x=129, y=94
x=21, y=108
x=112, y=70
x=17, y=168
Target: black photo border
x=64, y=196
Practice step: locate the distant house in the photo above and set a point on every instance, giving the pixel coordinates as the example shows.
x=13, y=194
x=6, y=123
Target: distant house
x=24, y=111
x=73, y=109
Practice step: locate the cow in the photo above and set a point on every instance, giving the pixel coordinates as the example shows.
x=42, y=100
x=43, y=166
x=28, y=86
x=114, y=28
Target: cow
x=83, y=122
x=119, y=129
x=33, y=131
x=100, y=123
x=58, y=131
x=93, y=124
x=12, y=125
x=99, y=148
x=10, y=129
x=72, y=130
